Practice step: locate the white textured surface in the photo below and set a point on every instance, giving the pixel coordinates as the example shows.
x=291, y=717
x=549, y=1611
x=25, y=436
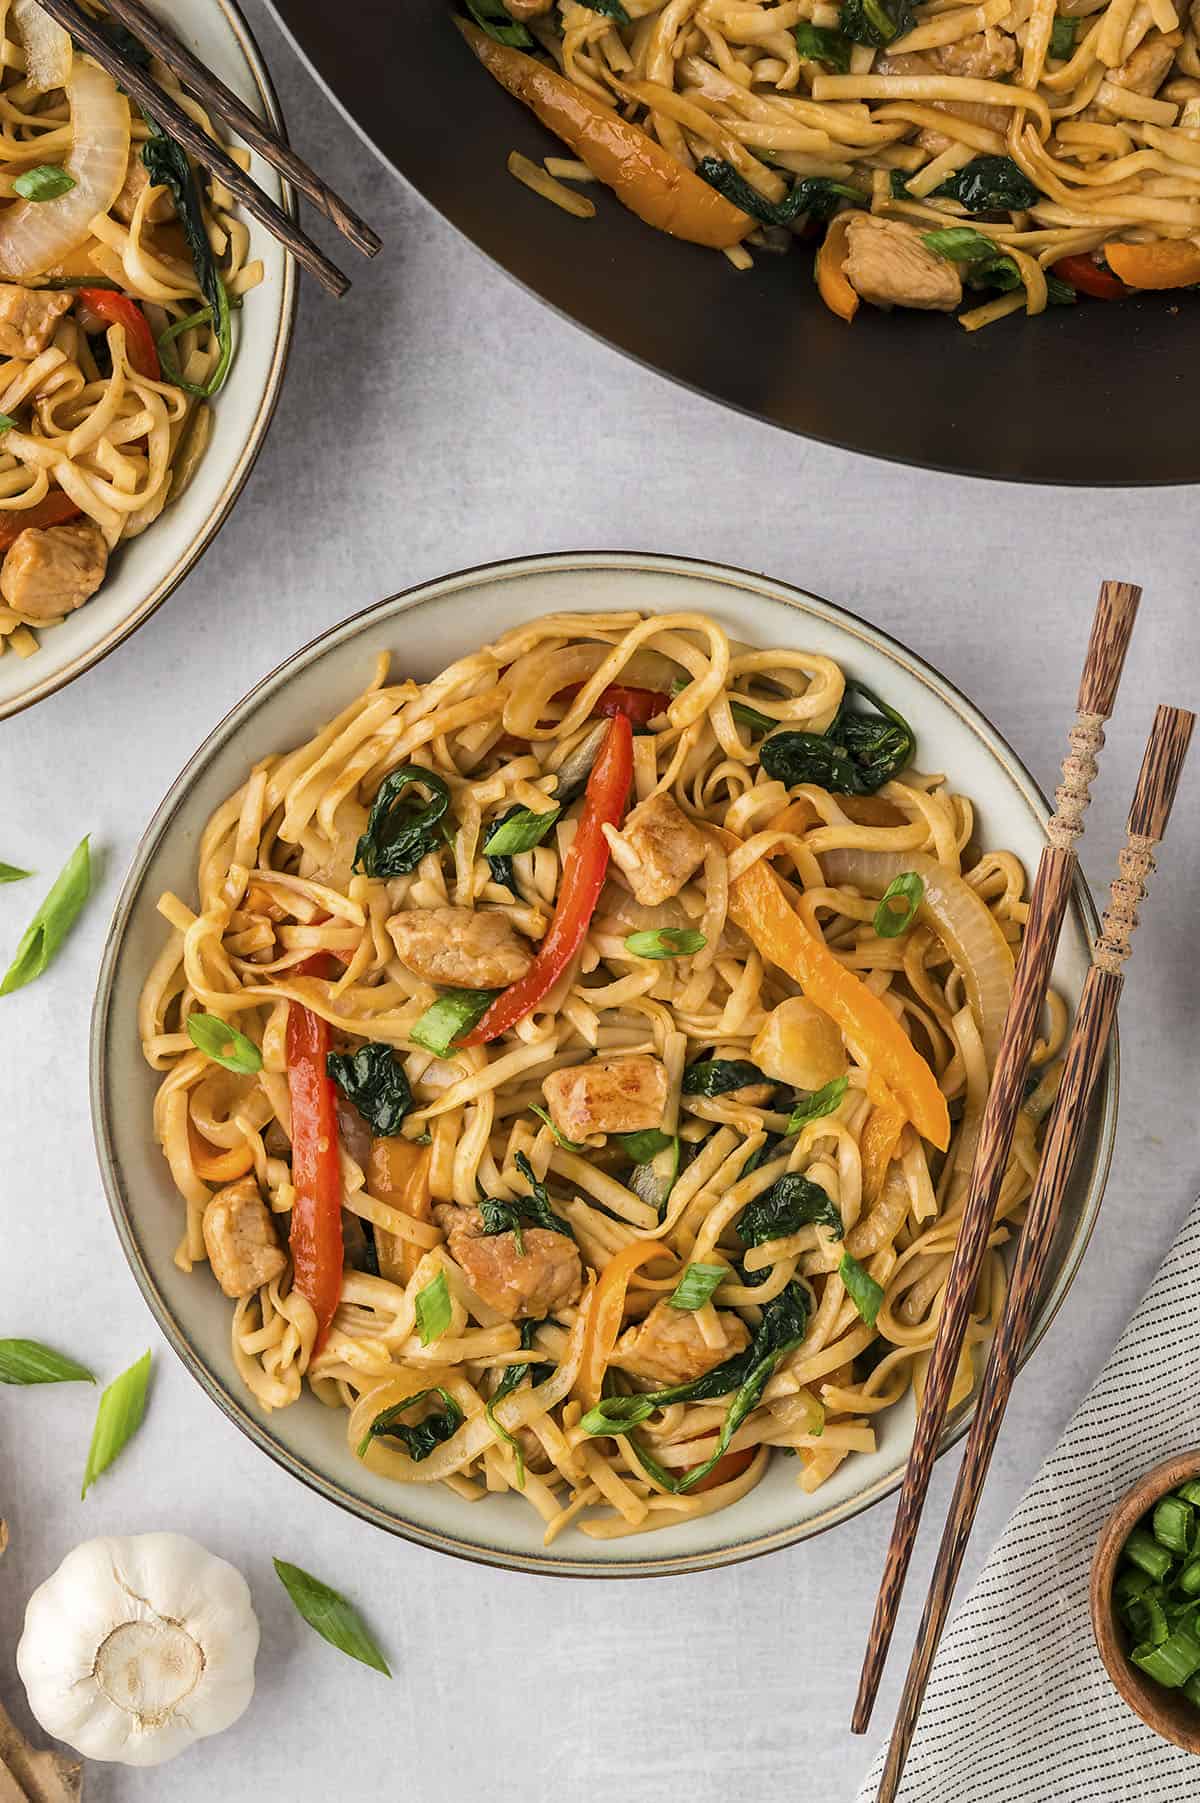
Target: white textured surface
x=437, y=418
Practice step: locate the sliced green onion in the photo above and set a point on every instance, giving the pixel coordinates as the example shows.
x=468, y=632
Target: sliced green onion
x=1142, y=1550
x=433, y=1309
x=29, y=1362
x=1190, y=1492
x=819, y=1104
x=53, y=921
x=118, y=1417
x=1172, y=1662
x=861, y=1287
x=1189, y=1578
x=45, y=182
x=1148, y=1619
x=642, y=1147
x=7, y=422
x=1062, y=39
x=907, y=889
x=697, y=1285
x=224, y=1044
x=454, y=1013
x=1191, y=1691
x=331, y=1615
x=1172, y=1524
x=665, y=942
x=519, y=832
x=568, y=1145
x=749, y=717
x=1129, y=1584
x=12, y=873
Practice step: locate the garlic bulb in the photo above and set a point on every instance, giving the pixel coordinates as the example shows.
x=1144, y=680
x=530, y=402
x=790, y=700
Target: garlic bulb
x=137, y=1647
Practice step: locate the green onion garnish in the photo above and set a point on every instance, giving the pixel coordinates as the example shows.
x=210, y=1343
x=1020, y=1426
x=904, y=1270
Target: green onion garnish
x=452, y=1015
x=224, y=1044
x=433, y=1309
x=861, y=1287
x=46, y=182
x=697, y=1285
x=52, y=922
x=118, y=1418
x=641, y=1147
x=519, y=832
x=1144, y=1551
x=1156, y=1592
x=666, y=942
x=1172, y=1524
x=819, y=1104
x=906, y=889
x=11, y=873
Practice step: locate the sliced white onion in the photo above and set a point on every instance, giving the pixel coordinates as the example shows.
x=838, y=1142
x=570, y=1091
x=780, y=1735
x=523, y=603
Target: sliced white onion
x=47, y=47
x=965, y=925
x=35, y=235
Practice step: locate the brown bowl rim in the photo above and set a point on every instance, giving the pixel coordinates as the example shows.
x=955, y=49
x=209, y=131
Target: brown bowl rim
x=1160, y=1709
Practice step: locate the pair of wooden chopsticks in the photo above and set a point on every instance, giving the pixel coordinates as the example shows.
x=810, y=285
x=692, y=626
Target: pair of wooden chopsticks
x=224, y=105
x=1161, y=770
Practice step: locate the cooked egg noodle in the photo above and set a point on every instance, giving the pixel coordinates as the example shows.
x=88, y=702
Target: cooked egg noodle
x=275, y=884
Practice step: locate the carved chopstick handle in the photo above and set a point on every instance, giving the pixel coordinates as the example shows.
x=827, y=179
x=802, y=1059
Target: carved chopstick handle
x=1162, y=766
x=1116, y=611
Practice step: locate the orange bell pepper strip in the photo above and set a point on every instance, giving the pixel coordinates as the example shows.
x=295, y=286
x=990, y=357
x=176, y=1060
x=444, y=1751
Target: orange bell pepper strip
x=832, y=284
x=1163, y=263
x=758, y=905
x=316, y=1231
x=398, y=1174
x=880, y=1137
x=640, y=173
x=731, y=1465
x=608, y=1310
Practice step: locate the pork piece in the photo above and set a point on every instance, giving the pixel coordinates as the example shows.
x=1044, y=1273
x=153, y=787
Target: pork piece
x=890, y=266
x=240, y=1239
x=1145, y=71
x=28, y=317
x=462, y=948
x=609, y=1095
x=667, y=1347
x=667, y=848
x=916, y=62
x=984, y=56
x=534, y=1282
x=137, y=180
x=50, y=571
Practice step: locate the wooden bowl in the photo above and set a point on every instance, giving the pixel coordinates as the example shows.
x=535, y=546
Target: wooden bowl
x=1166, y=1711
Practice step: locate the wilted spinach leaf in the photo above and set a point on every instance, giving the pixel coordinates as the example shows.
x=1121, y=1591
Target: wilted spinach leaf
x=875, y=22
x=375, y=1082
x=822, y=45
x=856, y=755
x=790, y=1204
x=533, y=1210
x=420, y=1440
x=812, y=194
x=717, y=1076
x=398, y=835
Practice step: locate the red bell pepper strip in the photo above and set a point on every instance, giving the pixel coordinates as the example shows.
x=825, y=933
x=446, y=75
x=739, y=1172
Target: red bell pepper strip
x=55, y=510
x=1090, y=277
x=639, y=706
x=119, y=310
x=582, y=880
x=316, y=1232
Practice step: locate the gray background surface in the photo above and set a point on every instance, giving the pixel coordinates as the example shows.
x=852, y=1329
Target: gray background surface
x=438, y=418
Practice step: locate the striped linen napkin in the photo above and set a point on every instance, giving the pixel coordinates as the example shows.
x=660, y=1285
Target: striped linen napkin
x=1019, y=1708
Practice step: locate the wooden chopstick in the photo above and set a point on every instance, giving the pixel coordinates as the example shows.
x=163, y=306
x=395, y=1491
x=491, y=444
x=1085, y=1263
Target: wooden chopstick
x=1162, y=767
x=1111, y=628
x=219, y=99
x=174, y=120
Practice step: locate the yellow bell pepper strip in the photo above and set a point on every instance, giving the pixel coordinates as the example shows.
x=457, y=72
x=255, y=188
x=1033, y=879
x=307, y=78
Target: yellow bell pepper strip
x=832, y=284
x=1163, y=263
x=398, y=1174
x=640, y=173
x=608, y=1311
x=878, y=1143
x=758, y=905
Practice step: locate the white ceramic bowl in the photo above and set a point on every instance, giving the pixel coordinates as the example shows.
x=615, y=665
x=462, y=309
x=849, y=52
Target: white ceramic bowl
x=425, y=629
x=145, y=571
